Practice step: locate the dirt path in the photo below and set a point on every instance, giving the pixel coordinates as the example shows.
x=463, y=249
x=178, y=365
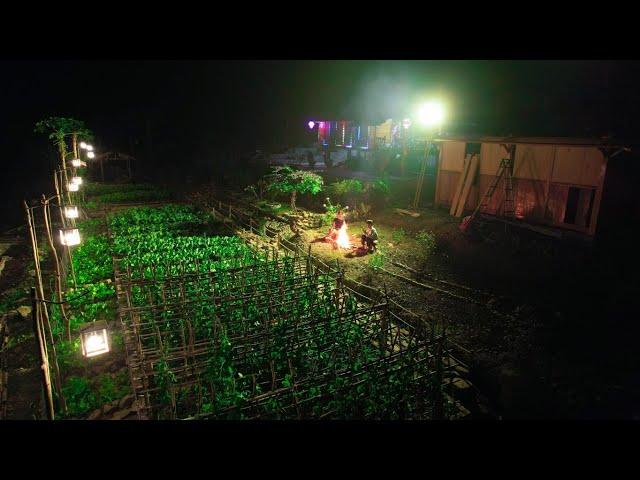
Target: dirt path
x=23, y=381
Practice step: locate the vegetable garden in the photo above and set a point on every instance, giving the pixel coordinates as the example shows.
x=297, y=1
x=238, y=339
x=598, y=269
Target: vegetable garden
x=215, y=328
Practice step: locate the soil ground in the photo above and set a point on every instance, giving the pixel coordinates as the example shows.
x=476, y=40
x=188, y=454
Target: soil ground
x=540, y=322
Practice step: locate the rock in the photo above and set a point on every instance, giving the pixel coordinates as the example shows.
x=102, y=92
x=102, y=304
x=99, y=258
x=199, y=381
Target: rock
x=126, y=402
x=24, y=311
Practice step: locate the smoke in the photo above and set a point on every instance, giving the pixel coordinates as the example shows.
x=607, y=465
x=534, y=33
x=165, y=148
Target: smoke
x=379, y=97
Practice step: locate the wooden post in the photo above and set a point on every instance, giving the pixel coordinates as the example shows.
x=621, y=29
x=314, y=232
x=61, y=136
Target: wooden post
x=36, y=256
x=598, y=197
x=47, y=224
x=42, y=354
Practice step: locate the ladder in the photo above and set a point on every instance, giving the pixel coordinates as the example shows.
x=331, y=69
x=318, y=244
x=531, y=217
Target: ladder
x=505, y=171
x=423, y=169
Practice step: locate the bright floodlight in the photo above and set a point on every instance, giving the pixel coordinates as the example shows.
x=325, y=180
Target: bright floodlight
x=70, y=237
x=431, y=114
x=94, y=339
x=76, y=180
x=83, y=145
x=71, y=211
x=73, y=187
x=311, y=124
x=91, y=154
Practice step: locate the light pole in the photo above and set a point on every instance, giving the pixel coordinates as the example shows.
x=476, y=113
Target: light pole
x=430, y=115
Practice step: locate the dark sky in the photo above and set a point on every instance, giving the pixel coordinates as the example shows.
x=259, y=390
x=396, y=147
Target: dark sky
x=195, y=109
x=243, y=103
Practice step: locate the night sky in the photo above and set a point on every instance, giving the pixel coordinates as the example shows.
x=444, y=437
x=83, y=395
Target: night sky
x=194, y=110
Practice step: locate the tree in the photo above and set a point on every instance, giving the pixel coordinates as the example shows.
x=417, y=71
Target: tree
x=59, y=128
x=288, y=180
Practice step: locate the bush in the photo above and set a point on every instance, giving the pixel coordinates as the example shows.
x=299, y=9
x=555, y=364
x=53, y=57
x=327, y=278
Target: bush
x=427, y=242
x=378, y=259
x=398, y=235
x=330, y=211
x=379, y=191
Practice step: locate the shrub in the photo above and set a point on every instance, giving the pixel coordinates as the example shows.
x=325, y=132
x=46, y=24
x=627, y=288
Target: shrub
x=398, y=235
x=427, y=242
x=379, y=191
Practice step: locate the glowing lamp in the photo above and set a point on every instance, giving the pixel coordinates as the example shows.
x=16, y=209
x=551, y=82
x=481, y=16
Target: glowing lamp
x=94, y=339
x=73, y=187
x=70, y=237
x=431, y=114
x=83, y=145
x=71, y=211
x=311, y=124
x=406, y=123
x=76, y=180
x=90, y=148
x=91, y=154
x=76, y=162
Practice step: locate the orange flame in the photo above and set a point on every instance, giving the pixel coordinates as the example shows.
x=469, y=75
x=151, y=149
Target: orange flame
x=343, y=237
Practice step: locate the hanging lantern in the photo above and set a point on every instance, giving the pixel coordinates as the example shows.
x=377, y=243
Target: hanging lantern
x=73, y=187
x=94, y=339
x=70, y=237
x=76, y=180
x=71, y=211
x=76, y=162
x=91, y=154
x=83, y=145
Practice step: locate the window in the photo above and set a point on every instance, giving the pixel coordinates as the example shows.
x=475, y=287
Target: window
x=579, y=206
x=472, y=149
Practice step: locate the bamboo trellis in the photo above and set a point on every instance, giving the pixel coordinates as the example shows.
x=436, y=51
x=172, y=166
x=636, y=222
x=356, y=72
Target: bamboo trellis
x=178, y=321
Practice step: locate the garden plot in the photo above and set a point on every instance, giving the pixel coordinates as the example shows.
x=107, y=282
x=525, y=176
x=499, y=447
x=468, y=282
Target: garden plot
x=296, y=344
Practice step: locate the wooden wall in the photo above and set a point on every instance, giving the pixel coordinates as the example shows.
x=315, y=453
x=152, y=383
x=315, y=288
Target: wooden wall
x=549, y=180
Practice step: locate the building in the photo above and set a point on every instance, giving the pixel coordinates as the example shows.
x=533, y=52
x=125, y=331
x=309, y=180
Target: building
x=556, y=182
x=350, y=134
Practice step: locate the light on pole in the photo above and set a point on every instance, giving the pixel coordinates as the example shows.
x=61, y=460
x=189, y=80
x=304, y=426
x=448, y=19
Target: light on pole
x=71, y=211
x=70, y=237
x=431, y=116
x=76, y=162
x=94, y=339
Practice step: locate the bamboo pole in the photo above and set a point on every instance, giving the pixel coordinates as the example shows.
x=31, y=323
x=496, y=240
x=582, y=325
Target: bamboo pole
x=47, y=224
x=41, y=350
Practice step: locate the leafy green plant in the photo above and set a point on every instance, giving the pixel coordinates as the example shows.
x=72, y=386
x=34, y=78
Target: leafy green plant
x=398, y=235
x=294, y=182
x=426, y=242
x=79, y=396
x=379, y=192
x=330, y=211
x=348, y=189
x=379, y=258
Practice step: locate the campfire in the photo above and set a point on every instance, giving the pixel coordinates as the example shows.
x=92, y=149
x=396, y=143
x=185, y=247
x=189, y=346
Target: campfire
x=343, y=237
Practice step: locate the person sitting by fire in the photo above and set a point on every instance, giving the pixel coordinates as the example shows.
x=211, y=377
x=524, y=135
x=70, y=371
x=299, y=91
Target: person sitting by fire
x=369, y=237
x=336, y=225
